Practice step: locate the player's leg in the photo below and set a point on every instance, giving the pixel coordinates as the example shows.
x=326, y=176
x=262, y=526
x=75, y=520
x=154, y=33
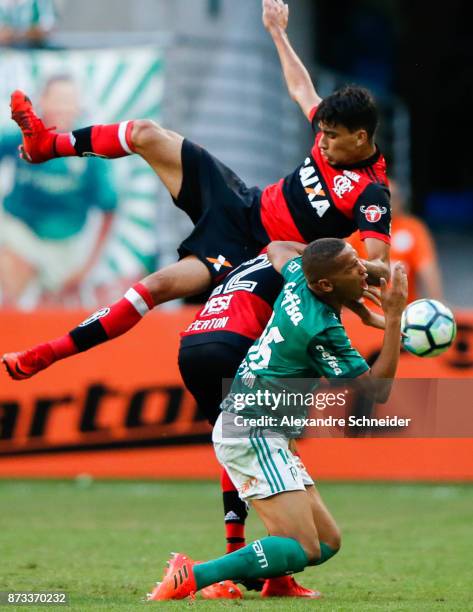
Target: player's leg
x=203, y=367
x=161, y=148
x=260, y=468
x=274, y=555
x=265, y=474
x=327, y=528
x=186, y=277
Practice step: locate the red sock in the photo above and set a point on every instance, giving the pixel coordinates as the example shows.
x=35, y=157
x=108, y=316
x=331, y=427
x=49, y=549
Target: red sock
x=103, y=325
x=109, y=141
x=63, y=347
x=114, y=320
x=235, y=514
x=225, y=482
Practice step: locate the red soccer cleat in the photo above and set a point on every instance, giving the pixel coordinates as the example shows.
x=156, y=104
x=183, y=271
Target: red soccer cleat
x=38, y=141
x=226, y=589
x=178, y=581
x=286, y=586
x=21, y=366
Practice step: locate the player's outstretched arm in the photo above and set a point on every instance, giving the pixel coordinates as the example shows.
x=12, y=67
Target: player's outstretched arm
x=393, y=300
x=377, y=264
x=280, y=252
x=300, y=86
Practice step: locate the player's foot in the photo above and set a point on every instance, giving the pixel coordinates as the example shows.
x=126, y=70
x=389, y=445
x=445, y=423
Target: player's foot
x=178, y=581
x=286, y=586
x=21, y=366
x=226, y=589
x=38, y=141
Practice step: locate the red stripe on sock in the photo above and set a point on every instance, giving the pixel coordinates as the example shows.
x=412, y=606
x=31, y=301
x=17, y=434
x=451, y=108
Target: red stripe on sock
x=235, y=530
x=226, y=483
x=63, y=145
x=105, y=141
x=145, y=294
x=63, y=347
x=233, y=546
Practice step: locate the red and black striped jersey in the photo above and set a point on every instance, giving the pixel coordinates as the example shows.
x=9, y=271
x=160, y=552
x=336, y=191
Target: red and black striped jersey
x=319, y=200
x=239, y=307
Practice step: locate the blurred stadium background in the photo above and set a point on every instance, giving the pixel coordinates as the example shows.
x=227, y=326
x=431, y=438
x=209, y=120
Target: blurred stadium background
x=207, y=68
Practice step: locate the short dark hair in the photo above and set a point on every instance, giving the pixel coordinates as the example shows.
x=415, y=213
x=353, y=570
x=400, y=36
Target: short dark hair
x=351, y=106
x=318, y=256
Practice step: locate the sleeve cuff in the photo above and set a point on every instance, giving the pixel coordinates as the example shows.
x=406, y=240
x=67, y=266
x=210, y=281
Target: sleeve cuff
x=312, y=113
x=370, y=234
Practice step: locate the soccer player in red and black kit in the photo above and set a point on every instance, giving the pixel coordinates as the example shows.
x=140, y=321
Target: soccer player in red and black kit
x=341, y=187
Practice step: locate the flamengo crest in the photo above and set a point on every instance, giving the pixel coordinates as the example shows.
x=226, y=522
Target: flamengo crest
x=341, y=184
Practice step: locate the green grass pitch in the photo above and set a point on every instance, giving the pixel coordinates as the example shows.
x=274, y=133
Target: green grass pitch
x=405, y=547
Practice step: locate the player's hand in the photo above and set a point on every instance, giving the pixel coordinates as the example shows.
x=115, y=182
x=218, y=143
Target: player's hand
x=394, y=297
x=275, y=15
x=373, y=294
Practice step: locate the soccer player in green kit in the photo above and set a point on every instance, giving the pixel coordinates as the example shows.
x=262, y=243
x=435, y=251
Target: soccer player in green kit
x=304, y=339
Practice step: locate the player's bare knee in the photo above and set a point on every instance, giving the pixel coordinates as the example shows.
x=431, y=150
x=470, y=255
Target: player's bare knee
x=311, y=548
x=146, y=132
x=334, y=539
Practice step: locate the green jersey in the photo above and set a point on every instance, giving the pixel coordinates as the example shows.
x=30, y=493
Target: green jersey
x=303, y=340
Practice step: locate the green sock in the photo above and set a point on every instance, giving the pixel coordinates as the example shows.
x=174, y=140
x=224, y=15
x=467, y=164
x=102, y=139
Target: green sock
x=266, y=558
x=326, y=553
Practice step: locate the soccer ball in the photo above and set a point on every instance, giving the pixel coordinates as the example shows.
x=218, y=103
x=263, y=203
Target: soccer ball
x=429, y=326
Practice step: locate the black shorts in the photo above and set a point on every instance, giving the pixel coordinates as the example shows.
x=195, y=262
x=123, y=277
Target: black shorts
x=226, y=213
x=203, y=368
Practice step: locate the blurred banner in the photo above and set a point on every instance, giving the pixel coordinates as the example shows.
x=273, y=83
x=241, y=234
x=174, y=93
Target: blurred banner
x=54, y=210
x=120, y=410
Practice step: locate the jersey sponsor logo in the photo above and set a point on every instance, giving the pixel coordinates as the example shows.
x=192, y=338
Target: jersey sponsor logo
x=208, y=324
x=313, y=187
x=216, y=305
x=329, y=358
x=103, y=312
x=219, y=262
x=373, y=212
x=291, y=303
x=258, y=548
x=341, y=185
